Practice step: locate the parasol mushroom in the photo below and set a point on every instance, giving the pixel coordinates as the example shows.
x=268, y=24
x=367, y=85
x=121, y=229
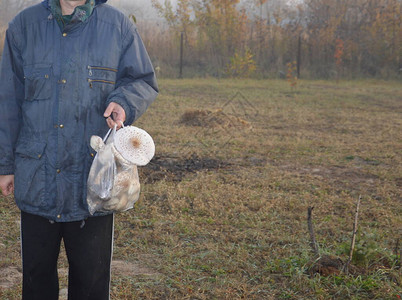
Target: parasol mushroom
x=135, y=145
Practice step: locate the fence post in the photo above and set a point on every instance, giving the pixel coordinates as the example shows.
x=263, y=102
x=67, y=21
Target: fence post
x=298, y=56
x=181, y=54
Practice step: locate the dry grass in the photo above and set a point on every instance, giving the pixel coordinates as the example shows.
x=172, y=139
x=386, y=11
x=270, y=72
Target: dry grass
x=223, y=208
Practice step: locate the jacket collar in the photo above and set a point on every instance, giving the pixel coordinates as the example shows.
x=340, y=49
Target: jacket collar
x=46, y=3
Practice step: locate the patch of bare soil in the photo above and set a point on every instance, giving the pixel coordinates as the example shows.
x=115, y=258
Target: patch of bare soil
x=208, y=118
x=328, y=265
x=125, y=268
x=10, y=276
x=175, y=169
x=328, y=87
x=342, y=177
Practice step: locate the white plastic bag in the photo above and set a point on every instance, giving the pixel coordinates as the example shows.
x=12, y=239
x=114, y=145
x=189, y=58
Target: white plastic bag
x=102, y=174
x=113, y=182
x=126, y=187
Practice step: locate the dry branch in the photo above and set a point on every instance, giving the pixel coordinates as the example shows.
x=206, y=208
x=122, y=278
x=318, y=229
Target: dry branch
x=313, y=243
x=352, y=246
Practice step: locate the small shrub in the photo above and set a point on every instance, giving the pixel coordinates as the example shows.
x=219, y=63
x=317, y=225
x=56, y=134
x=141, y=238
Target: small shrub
x=242, y=65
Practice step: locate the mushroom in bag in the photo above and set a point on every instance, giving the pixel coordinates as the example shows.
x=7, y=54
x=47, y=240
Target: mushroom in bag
x=131, y=147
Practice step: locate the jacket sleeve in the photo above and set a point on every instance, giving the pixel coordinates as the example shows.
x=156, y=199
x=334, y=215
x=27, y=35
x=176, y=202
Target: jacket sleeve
x=11, y=96
x=136, y=86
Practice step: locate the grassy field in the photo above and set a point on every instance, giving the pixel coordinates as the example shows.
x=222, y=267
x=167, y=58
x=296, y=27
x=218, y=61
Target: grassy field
x=223, y=210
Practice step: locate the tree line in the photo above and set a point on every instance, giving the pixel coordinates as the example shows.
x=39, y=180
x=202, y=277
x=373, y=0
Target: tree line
x=262, y=38
x=268, y=38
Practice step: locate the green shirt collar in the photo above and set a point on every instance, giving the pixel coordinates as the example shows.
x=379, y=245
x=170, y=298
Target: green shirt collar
x=81, y=13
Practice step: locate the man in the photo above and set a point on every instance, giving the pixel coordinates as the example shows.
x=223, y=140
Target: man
x=70, y=69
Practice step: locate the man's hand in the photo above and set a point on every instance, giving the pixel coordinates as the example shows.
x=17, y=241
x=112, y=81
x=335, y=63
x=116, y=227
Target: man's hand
x=7, y=184
x=115, y=114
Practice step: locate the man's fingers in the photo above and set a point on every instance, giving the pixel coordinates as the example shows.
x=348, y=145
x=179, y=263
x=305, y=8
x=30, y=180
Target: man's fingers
x=108, y=110
x=7, y=184
x=8, y=190
x=110, y=122
x=115, y=115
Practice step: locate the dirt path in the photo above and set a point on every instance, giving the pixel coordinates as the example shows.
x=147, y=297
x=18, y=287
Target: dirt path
x=12, y=276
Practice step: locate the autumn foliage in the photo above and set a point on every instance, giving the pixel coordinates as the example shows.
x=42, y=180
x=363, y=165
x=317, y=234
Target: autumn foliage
x=259, y=38
x=225, y=37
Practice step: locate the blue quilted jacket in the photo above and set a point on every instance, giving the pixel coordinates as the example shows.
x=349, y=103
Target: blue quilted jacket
x=54, y=88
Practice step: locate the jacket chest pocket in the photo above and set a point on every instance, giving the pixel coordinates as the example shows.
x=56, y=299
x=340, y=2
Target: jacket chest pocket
x=98, y=75
x=38, y=82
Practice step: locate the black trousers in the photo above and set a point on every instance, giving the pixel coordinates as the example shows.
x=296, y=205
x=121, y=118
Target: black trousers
x=89, y=252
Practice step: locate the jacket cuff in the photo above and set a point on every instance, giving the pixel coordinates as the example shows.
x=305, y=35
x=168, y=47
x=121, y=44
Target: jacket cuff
x=6, y=170
x=129, y=114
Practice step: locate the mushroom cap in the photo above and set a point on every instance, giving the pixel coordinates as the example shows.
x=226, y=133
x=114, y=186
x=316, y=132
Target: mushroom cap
x=135, y=145
x=96, y=142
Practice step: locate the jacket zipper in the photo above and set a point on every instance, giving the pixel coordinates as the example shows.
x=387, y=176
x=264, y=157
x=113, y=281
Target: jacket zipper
x=99, y=80
x=90, y=68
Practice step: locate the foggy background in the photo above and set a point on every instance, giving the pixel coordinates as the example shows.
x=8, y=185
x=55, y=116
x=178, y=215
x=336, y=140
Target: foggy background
x=263, y=38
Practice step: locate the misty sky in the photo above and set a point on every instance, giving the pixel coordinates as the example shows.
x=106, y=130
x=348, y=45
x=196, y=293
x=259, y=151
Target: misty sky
x=143, y=10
